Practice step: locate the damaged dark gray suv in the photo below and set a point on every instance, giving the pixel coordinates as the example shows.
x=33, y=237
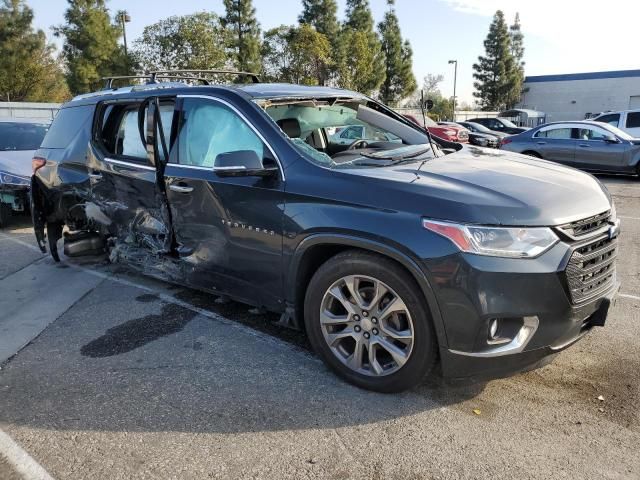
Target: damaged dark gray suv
x=396, y=253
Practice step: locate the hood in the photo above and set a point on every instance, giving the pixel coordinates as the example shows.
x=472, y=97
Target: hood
x=16, y=162
x=491, y=187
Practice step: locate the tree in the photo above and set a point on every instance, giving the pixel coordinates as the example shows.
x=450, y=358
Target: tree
x=399, y=80
x=28, y=70
x=91, y=48
x=442, y=107
x=295, y=55
x=495, y=72
x=244, y=34
x=361, y=60
x=517, y=52
x=182, y=43
x=323, y=16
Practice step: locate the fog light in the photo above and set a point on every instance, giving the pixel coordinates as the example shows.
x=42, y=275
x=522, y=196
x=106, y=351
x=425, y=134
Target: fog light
x=493, y=329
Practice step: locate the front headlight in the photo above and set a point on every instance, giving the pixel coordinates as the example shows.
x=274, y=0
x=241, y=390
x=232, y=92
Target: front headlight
x=483, y=142
x=513, y=242
x=10, y=179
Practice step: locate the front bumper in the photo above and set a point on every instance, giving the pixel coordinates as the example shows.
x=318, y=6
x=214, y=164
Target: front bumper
x=529, y=298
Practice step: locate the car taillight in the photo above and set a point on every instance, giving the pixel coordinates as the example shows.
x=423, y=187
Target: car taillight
x=37, y=163
x=504, y=141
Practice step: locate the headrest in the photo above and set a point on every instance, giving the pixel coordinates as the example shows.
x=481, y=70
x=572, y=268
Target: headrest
x=290, y=126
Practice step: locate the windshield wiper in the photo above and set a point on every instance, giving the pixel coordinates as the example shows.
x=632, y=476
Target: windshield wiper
x=396, y=158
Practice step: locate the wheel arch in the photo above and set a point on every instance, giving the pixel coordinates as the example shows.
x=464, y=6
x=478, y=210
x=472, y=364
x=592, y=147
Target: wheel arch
x=314, y=250
x=532, y=153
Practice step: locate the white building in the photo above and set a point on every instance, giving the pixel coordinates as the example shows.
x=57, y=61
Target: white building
x=45, y=111
x=577, y=96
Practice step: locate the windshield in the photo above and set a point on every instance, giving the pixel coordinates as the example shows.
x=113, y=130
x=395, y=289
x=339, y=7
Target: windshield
x=616, y=131
x=508, y=123
x=21, y=135
x=477, y=127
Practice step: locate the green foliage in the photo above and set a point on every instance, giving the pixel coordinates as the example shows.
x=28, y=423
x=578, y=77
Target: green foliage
x=182, y=42
x=517, y=52
x=28, y=70
x=295, y=54
x=399, y=81
x=361, y=64
x=91, y=48
x=323, y=16
x=497, y=72
x=442, y=107
x=244, y=35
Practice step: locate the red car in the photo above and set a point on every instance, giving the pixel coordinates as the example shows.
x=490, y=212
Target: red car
x=451, y=133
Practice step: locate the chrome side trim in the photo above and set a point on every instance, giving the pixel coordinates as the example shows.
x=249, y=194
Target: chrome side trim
x=245, y=120
x=129, y=164
x=190, y=167
x=517, y=345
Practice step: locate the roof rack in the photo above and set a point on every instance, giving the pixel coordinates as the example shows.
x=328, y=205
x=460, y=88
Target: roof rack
x=152, y=77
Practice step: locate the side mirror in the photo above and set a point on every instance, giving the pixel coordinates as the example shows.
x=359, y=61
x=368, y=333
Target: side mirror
x=611, y=139
x=242, y=163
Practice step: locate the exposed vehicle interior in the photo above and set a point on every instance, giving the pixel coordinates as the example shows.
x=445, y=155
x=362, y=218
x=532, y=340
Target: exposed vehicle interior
x=339, y=131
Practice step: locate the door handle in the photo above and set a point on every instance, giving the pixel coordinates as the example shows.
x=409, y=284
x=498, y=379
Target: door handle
x=541, y=143
x=181, y=188
x=584, y=145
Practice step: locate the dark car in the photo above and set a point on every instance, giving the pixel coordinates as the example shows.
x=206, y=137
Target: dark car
x=19, y=139
x=482, y=139
x=501, y=125
x=391, y=257
x=588, y=145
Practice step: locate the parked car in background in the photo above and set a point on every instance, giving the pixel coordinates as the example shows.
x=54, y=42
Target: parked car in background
x=478, y=128
x=489, y=140
x=586, y=145
x=451, y=133
x=501, y=125
x=626, y=120
x=348, y=134
x=19, y=139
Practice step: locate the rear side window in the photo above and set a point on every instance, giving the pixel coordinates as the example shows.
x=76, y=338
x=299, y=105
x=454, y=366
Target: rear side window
x=557, y=133
x=68, y=122
x=633, y=120
x=611, y=119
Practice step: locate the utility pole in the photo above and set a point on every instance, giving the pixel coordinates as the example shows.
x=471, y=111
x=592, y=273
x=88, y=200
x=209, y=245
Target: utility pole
x=455, y=78
x=124, y=18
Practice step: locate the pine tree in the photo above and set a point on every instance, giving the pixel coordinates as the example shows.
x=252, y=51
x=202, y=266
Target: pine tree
x=28, y=70
x=244, y=34
x=399, y=82
x=360, y=45
x=517, y=52
x=323, y=16
x=91, y=48
x=495, y=72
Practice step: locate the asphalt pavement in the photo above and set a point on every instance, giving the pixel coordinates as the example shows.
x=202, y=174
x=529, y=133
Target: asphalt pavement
x=107, y=374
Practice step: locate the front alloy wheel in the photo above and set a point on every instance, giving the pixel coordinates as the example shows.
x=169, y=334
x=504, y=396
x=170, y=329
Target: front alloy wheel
x=366, y=325
x=366, y=317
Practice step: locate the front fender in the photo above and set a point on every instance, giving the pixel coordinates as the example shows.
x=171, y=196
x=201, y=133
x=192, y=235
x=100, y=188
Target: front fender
x=342, y=240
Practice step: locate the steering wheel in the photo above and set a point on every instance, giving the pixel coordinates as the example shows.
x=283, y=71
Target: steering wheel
x=359, y=143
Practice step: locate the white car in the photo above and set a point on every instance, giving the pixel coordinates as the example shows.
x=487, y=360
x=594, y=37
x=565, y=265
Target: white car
x=626, y=120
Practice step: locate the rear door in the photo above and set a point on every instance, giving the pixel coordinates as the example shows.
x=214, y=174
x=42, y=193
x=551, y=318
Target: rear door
x=126, y=197
x=556, y=143
x=228, y=230
x=594, y=153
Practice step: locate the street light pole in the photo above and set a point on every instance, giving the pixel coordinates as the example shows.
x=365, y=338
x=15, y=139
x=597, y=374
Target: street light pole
x=124, y=18
x=455, y=78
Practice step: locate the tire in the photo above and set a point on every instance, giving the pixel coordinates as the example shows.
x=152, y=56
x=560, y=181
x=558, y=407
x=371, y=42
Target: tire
x=413, y=358
x=532, y=154
x=5, y=214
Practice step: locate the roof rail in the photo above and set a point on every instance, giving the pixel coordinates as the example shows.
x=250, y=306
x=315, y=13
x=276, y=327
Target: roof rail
x=253, y=76
x=152, y=77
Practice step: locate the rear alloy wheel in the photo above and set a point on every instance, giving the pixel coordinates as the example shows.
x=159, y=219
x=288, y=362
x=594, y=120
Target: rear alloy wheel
x=367, y=321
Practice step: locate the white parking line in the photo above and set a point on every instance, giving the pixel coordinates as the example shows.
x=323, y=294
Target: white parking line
x=626, y=295
x=629, y=218
x=20, y=460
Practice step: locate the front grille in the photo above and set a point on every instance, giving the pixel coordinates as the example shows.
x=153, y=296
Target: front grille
x=581, y=228
x=462, y=135
x=591, y=268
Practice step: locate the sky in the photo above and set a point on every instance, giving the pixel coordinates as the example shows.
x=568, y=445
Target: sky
x=561, y=36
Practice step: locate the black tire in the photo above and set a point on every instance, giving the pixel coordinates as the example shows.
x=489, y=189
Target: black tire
x=532, y=154
x=423, y=355
x=5, y=214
